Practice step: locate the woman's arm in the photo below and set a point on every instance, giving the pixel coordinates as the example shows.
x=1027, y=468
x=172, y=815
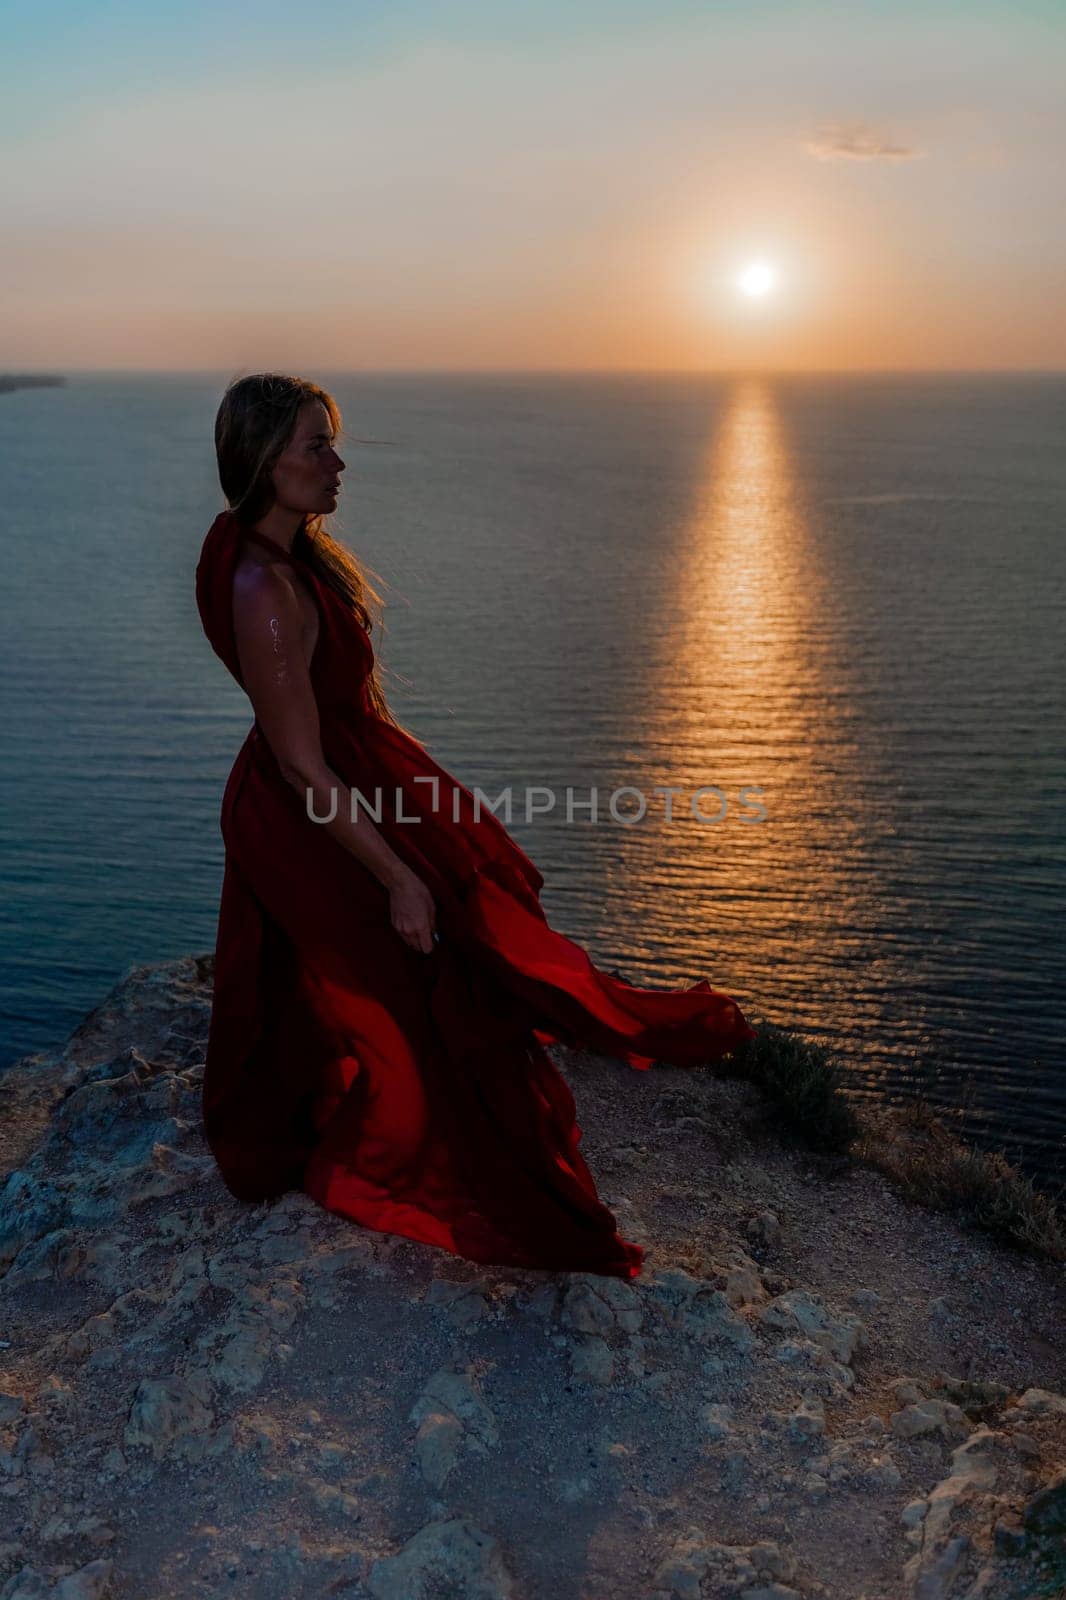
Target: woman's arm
x=267, y=625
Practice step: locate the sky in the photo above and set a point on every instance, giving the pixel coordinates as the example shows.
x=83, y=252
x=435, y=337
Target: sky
x=532, y=186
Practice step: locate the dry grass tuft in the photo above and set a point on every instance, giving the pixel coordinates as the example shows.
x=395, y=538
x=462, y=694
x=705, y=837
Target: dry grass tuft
x=912, y=1146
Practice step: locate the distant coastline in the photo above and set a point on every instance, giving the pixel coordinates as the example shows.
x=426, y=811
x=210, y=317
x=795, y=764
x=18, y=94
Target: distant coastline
x=28, y=380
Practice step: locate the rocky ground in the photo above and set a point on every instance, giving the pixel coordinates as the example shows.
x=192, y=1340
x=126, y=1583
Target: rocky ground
x=813, y=1389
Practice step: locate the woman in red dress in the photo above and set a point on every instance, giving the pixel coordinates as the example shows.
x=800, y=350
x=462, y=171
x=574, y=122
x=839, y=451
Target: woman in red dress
x=385, y=978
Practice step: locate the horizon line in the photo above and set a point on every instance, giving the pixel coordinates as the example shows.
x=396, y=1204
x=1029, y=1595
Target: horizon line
x=555, y=372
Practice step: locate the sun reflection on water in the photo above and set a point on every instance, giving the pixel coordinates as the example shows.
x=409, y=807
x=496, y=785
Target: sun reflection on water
x=744, y=698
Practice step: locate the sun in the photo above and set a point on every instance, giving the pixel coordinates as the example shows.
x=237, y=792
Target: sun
x=757, y=280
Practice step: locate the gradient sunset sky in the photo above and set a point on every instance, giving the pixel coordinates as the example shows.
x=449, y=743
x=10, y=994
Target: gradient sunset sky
x=425, y=185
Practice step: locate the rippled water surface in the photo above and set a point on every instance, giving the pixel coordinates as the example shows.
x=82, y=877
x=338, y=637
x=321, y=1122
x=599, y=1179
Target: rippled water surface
x=845, y=596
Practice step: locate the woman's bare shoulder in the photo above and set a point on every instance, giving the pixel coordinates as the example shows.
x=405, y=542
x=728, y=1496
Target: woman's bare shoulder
x=255, y=572
x=258, y=584
x=269, y=604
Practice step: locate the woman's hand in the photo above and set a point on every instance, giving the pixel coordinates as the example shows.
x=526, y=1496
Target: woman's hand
x=413, y=912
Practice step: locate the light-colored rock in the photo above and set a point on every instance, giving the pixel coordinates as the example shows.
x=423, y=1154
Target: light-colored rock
x=805, y=1312
x=815, y=1364
x=808, y=1419
x=928, y=1417
x=452, y=1556
x=96, y=1336
x=31, y=1454
x=881, y=1472
x=170, y=1415
x=744, y=1287
x=458, y=1392
x=842, y=1462
x=907, y=1391
x=913, y=1513
x=697, y=1565
x=769, y=1560
x=696, y=1308
x=974, y=1475
x=437, y=1446
x=591, y=1360
x=1045, y=1513
x=335, y=1501
x=593, y=1303
x=450, y=1413
x=765, y=1228
x=241, y=1345
x=464, y=1304
x=91, y=1582
x=27, y=1584
x=932, y=1576
x=972, y=1394
x=1042, y=1403
x=717, y=1421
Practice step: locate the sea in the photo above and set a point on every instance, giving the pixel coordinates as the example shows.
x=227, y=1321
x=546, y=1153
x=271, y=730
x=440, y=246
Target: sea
x=802, y=635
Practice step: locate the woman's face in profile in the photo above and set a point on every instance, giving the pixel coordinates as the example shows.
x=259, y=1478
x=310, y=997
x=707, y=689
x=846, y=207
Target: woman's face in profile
x=306, y=475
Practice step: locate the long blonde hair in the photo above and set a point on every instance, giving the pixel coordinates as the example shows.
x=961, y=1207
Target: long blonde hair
x=255, y=421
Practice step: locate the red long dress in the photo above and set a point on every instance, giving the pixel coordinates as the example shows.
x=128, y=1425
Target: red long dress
x=411, y=1093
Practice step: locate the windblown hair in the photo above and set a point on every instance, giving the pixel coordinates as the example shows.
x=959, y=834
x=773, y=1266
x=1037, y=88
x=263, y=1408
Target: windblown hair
x=255, y=421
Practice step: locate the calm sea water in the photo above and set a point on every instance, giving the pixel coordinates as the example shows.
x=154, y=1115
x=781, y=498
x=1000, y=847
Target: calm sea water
x=847, y=594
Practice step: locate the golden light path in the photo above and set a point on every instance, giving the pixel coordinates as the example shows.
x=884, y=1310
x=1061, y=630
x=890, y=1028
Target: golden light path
x=744, y=695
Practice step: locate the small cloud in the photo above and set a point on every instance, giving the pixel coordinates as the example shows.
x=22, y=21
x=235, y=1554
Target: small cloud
x=854, y=141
